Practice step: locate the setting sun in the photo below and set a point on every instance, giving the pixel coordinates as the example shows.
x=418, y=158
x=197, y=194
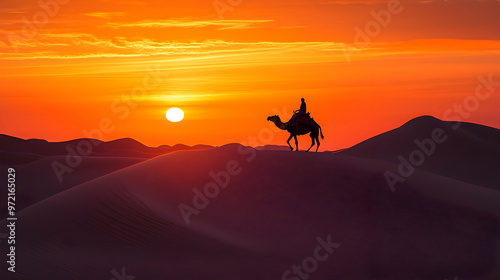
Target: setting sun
x=364, y=67
x=174, y=115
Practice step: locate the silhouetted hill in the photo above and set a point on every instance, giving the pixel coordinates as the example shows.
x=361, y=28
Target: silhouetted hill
x=468, y=152
x=273, y=148
x=19, y=151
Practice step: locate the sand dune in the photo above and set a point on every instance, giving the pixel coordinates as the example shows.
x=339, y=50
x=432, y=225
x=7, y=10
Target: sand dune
x=470, y=152
x=269, y=216
x=9, y=158
x=37, y=180
x=33, y=149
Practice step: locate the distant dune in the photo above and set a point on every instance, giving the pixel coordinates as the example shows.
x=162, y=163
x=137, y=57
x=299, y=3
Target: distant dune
x=470, y=153
x=34, y=158
x=271, y=212
x=273, y=148
x=33, y=149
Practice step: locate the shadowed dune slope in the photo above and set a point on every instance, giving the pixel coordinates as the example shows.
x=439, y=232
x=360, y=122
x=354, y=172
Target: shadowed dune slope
x=470, y=152
x=265, y=220
x=37, y=180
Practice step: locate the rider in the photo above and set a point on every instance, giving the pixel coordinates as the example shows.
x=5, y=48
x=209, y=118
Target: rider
x=301, y=112
x=302, y=109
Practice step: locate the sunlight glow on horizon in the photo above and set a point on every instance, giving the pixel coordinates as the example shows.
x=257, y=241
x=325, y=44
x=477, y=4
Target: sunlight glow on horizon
x=229, y=75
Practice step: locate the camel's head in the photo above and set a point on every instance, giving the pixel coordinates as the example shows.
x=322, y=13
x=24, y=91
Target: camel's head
x=273, y=118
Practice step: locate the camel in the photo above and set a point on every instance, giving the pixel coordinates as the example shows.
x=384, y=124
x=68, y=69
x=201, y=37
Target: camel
x=303, y=129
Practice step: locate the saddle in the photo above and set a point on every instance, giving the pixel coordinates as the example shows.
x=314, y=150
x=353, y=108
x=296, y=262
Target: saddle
x=303, y=119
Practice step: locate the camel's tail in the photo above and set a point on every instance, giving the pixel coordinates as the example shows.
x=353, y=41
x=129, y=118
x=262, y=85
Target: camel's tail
x=321, y=132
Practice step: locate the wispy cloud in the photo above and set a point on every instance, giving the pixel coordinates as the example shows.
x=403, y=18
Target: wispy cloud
x=77, y=45
x=67, y=35
x=83, y=45
x=106, y=15
x=185, y=97
x=188, y=23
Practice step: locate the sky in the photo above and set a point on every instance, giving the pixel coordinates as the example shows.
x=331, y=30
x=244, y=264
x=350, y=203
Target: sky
x=111, y=69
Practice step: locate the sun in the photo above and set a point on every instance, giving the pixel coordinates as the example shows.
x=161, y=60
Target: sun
x=174, y=114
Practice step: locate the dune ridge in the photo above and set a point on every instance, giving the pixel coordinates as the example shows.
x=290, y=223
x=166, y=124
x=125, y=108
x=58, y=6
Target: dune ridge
x=435, y=225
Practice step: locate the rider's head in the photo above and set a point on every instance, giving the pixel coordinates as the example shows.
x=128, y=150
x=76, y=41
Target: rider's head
x=302, y=99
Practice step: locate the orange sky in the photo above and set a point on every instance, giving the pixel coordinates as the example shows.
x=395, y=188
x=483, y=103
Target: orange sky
x=71, y=64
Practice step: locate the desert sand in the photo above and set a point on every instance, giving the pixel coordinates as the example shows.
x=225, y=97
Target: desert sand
x=266, y=211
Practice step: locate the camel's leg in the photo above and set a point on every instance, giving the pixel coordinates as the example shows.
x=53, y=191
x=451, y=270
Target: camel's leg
x=312, y=138
x=288, y=141
x=296, y=142
x=317, y=141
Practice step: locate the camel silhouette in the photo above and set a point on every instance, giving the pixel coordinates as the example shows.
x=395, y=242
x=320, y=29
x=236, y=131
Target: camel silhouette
x=303, y=129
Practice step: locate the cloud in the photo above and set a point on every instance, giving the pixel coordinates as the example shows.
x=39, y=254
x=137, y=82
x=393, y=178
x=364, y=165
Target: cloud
x=185, y=97
x=78, y=45
x=188, y=23
x=106, y=15
x=66, y=35
x=84, y=45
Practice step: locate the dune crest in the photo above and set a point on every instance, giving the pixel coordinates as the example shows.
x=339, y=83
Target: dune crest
x=272, y=212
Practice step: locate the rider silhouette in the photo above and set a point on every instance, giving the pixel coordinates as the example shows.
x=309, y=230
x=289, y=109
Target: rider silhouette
x=301, y=112
x=302, y=109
